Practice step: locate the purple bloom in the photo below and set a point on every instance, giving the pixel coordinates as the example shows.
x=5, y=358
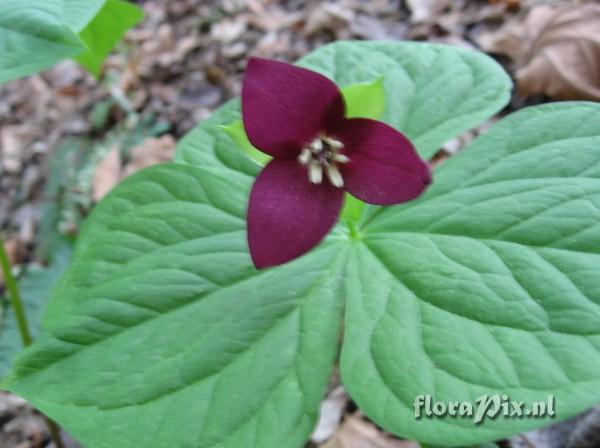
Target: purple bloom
x=297, y=116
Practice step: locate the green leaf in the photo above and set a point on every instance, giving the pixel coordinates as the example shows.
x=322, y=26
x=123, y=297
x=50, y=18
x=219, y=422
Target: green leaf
x=353, y=209
x=33, y=37
x=35, y=287
x=78, y=13
x=162, y=324
x=486, y=285
x=209, y=146
x=105, y=30
x=365, y=99
x=237, y=133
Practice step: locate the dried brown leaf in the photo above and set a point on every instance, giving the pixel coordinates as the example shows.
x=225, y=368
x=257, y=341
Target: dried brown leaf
x=229, y=30
x=332, y=409
x=426, y=10
x=13, y=141
x=556, y=51
x=328, y=16
x=358, y=433
x=150, y=152
x=107, y=174
x=275, y=20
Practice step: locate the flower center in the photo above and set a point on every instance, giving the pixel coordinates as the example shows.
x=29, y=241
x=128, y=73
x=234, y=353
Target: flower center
x=323, y=155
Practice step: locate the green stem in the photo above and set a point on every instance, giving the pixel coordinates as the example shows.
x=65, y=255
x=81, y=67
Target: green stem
x=15, y=296
x=355, y=233
x=19, y=310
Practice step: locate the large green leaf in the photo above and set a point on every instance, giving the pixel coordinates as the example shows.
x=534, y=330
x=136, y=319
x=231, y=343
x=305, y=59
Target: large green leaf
x=165, y=333
x=488, y=284
x=78, y=14
x=105, y=30
x=33, y=37
x=433, y=93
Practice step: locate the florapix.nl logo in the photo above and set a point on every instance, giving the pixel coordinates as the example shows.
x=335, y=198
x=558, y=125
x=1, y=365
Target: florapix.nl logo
x=485, y=406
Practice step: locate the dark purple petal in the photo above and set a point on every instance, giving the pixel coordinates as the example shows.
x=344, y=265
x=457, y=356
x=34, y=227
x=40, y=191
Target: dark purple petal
x=287, y=215
x=384, y=168
x=285, y=107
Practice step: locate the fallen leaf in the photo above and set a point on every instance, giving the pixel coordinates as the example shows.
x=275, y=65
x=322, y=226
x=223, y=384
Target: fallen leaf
x=511, y=5
x=328, y=16
x=358, y=433
x=107, y=174
x=13, y=141
x=25, y=219
x=229, y=30
x=275, y=20
x=271, y=44
x=150, y=152
x=556, y=51
x=111, y=169
x=586, y=432
x=332, y=409
x=367, y=27
x=426, y=10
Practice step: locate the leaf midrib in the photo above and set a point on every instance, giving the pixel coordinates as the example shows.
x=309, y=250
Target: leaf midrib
x=44, y=40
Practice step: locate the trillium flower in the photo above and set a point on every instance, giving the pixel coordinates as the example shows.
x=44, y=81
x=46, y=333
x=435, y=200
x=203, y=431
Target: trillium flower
x=297, y=116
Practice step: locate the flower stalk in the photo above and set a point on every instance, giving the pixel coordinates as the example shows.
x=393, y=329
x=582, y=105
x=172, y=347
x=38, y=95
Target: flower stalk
x=14, y=296
x=17, y=305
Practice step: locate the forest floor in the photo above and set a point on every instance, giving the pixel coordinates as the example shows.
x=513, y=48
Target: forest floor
x=67, y=138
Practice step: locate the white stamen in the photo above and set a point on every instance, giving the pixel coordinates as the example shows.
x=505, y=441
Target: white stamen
x=305, y=156
x=322, y=155
x=334, y=176
x=335, y=144
x=316, y=145
x=315, y=172
x=341, y=158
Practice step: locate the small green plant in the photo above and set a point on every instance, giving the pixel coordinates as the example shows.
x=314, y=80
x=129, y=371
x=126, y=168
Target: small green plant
x=36, y=34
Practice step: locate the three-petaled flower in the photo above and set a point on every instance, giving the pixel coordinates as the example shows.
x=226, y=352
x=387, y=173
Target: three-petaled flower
x=297, y=116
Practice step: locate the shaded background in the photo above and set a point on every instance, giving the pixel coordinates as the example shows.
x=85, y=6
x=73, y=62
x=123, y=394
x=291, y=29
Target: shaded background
x=66, y=138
